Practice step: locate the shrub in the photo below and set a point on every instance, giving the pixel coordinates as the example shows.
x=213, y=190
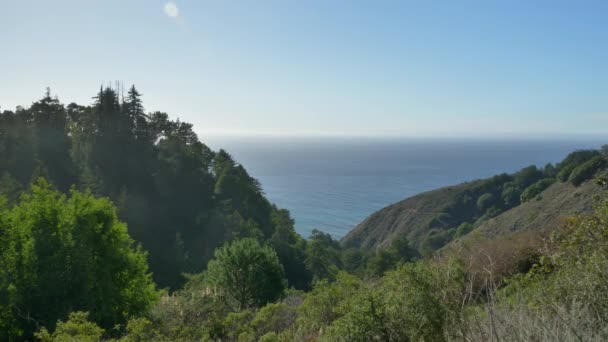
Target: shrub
x=565, y=172
x=527, y=176
x=464, y=229
x=572, y=161
x=536, y=188
x=247, y=274
x=510, y=194
x=76, y=328
x=485, y=201
x=321, y=306
x=584, y=171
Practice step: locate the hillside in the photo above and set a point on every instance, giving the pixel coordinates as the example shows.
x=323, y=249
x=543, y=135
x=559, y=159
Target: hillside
x=547, y=211
x=411, y=216
x=531, y=199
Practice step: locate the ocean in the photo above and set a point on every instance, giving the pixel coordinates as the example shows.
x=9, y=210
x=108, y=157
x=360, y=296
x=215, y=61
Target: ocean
x=332, y=184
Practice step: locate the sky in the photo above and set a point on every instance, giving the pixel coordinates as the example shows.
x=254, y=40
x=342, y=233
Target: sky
x=323, y=67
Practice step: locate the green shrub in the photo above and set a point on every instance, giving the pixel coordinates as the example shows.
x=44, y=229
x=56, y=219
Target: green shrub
x=536, y=188
x=435, y=240
x=485, y=201
x=270, y=337
x=572, y=161
x=76, y=328
x=565, y=172
x=527, y=176
x=321, y=306
x=510, y=194
x=584, y=171
x=464, y=229
x=248, y=274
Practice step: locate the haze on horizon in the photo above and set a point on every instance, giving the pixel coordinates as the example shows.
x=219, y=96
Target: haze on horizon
x=323, y=67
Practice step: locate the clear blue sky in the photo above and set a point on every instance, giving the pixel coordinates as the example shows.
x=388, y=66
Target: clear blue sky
x=419, y=68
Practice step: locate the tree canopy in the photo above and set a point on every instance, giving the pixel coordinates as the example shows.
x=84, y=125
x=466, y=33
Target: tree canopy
x=60, y=254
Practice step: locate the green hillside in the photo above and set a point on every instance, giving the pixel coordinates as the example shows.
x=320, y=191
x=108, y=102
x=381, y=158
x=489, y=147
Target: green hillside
x=532, y=198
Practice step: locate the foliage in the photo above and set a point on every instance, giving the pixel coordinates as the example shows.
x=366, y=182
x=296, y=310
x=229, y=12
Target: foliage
x=322, y=256
x=464, y=229
x=435, y=240
x=60, y=254
x=573, y=160
x=584, y=171
x=193, y=313
x=321, y=306
x=180, y=199
x=247, y=274
x=77, y=328
x=536, y=188
x=485, y=201
x=387, y=259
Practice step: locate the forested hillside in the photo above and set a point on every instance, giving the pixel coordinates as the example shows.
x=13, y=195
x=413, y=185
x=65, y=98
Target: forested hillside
x=179, y=199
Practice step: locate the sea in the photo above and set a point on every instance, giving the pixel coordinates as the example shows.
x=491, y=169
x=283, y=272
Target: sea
x=334, y=183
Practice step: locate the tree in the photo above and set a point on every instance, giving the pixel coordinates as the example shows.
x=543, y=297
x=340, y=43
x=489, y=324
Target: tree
x=52, y=143
x=584, y=171
x=246, y=273
x=60, y=254
x=485, y=201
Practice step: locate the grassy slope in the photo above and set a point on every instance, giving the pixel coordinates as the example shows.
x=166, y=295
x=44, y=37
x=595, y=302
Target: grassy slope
x=412, y=216
x=547, y=211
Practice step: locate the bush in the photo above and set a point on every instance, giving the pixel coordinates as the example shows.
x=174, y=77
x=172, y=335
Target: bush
x=536, y=188
x=485, y=202
x=584, y=171
x=527, y=176
x=435, y=240
x=565, y=172
x=247, y=274
x=321, y=306
x=511, y=194
x=464, y=229
x=572, y=161
x=77, y=328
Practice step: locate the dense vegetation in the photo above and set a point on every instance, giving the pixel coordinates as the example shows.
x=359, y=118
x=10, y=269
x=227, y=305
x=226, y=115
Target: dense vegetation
x=179, y=199
x=104, y=204
x=554, y=292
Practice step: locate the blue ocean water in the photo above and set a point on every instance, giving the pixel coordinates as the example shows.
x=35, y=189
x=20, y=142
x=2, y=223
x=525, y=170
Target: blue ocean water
x=333, y=184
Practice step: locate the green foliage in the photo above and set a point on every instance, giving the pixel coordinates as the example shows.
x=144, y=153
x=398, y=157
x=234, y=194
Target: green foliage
x=180, y=199
x=584, y=171
x=322, y=256
x=485, y=201
x=536, y=188
x=191, y=314
x=321, y=306
x=76, y=328
x=247, y=274
x=511, y=194
x=60, y=254
x=266, y=323
x=387, y=259
x=435, y=240
x=527, y=176
x=363, y=318
x=463, y=230
x=572, y=161
x=413, y=303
